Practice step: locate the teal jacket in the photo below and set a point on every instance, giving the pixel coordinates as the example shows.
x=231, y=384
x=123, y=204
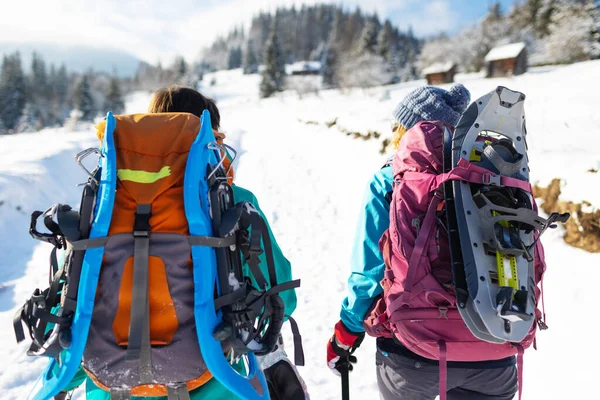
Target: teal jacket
x=366, y=265
x=213, y=389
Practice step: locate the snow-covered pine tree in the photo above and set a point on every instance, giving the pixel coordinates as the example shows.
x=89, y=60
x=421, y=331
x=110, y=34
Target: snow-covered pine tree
x=494, y=29
x=234, y=59
x=113, y=100
x=368, y=38
x=28, y=121
x=181, y=69
x=353, y=28
x=574, y=32
x=12, y=90
x=273, y=77
x=39, y=78
x=84, y=101
x=39, y=90
x=249, y=59
x=328, y=67
x=329, y=60
x=59, y=86
x=387, y=47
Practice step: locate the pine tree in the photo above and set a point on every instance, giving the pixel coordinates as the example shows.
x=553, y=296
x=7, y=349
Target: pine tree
x=249, y=60
x=12, y=90
x=113, y=100
x=28, y=121
x=385, y=41
x=574, y=32
x=3, y=129
x=328, y=67
x=60, y=84
x=368, y=37
x=273, y=77
x=39, y=77
x=329, y=62
x=234, y=59
x=39, y=90
x=84, y=102
x=180, y=68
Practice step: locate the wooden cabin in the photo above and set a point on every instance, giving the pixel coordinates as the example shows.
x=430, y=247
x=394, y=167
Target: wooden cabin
x=440, y=73
x=302, y=68
x=506, y=60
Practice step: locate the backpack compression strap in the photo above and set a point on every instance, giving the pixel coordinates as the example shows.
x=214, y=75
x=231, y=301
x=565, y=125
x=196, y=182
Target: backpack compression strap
x=138, y=347
x=242, y=307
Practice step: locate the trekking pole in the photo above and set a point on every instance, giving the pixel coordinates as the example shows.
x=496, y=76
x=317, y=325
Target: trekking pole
x=344, y=370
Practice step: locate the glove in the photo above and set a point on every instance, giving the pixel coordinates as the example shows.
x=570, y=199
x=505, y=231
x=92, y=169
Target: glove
x=340, y=348
x=283, y=379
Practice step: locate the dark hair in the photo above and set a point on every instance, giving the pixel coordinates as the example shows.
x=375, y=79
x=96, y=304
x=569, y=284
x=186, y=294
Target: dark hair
x=182, y=99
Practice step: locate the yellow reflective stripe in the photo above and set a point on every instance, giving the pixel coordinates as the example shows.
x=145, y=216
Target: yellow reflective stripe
x=143, y=176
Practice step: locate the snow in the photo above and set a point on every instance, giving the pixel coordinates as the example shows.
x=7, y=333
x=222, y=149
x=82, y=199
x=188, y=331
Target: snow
x=309, y=180
x=438, y=68
x=504, y=52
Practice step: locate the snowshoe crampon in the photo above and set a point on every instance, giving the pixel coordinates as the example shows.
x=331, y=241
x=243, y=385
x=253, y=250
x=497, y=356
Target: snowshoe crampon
x=493, y=220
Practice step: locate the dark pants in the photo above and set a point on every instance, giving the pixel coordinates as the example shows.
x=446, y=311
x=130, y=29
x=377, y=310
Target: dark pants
x=402, y=378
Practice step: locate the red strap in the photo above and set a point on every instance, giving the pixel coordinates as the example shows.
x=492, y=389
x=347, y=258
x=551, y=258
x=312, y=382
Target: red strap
x=488, y=175
x=443, y=370
x=466, y=171
x=543, y=303
x=520, y=368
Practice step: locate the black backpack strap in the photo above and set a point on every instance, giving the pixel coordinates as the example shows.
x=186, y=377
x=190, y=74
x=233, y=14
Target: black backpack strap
x=138, y=347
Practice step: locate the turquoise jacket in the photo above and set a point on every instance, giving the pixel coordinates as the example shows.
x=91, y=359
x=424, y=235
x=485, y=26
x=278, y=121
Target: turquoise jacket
x=213, y=389
x=366, y=265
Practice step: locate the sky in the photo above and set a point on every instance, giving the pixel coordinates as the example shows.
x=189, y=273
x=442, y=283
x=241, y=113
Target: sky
x=154, y=30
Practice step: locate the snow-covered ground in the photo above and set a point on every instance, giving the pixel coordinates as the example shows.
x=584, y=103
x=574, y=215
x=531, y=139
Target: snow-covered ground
x=309, y=180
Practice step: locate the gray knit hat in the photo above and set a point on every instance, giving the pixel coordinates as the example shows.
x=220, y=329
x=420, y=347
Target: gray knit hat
x=430, y=103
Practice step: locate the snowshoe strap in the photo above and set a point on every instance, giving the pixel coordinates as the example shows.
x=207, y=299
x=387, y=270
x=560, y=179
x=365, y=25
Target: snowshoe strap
x=210, y=241
x=85, y=244
x=491, y=178
x=60, y=220
x=298, y=350
x=138, y=347
x=543, y=324
x=120, y=394
x=443, y=370
x=504, y=167
x=37, y=314
x=468, y=172
x=178, y=392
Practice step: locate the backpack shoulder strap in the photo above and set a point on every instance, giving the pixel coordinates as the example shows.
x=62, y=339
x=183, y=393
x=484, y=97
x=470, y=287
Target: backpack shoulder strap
x=388, y=163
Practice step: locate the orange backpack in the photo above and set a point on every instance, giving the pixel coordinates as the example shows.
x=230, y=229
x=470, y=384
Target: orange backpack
x=143, y=338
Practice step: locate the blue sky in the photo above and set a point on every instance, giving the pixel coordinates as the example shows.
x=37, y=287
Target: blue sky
x=158, y=30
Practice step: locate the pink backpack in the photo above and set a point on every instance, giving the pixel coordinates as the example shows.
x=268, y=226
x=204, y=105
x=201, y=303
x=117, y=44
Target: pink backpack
x=418, y=298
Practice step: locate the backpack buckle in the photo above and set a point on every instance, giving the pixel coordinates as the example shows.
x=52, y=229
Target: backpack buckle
x=443, y=312
x=491, y=179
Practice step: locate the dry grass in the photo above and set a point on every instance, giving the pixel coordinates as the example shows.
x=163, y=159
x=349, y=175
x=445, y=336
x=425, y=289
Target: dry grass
x=583, y=228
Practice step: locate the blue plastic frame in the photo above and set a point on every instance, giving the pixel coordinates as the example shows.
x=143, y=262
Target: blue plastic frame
x=197, y=209
x=57, y=377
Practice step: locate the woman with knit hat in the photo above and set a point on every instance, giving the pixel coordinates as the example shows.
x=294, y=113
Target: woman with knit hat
x=402, y=374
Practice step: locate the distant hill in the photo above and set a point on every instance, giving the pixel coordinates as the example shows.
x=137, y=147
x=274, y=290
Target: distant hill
x=77, y=58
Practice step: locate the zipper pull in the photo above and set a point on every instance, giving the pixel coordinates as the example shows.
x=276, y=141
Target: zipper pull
x=416, y=223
